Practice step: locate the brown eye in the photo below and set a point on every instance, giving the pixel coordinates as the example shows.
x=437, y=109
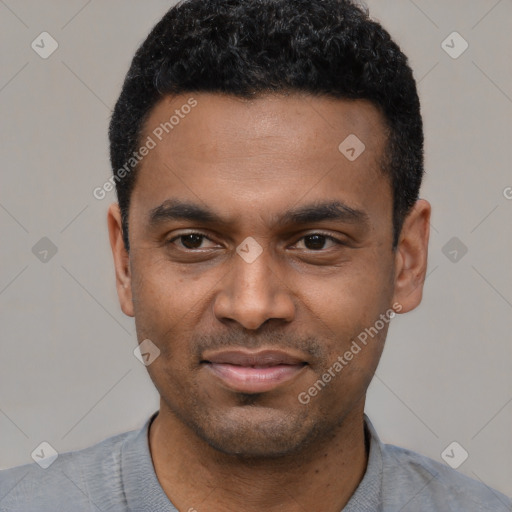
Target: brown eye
x=192, y=241
x=317, y=241
x=189, y=241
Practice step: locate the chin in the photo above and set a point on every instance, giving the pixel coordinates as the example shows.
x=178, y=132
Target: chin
x=257, y=434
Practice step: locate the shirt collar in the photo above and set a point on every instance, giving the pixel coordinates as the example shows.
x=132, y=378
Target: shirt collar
x=142, y=489
x=368, y=494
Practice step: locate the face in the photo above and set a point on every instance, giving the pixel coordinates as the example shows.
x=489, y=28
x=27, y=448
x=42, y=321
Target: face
x=258, y=254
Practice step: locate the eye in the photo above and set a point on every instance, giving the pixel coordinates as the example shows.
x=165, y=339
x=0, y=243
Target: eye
x=194, y=241
x=317, y=241
x=189, y=241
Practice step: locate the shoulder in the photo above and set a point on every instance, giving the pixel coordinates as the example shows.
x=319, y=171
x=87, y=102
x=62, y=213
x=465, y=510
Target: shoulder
x=412, y=480
x=79, y=477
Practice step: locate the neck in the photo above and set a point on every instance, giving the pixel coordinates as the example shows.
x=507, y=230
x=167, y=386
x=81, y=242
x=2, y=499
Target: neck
x=197, y=477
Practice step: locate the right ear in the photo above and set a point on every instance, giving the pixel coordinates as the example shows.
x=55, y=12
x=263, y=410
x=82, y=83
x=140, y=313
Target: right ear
x=121, y=259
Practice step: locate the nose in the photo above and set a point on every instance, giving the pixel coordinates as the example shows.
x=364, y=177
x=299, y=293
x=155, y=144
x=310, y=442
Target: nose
x=253, y=293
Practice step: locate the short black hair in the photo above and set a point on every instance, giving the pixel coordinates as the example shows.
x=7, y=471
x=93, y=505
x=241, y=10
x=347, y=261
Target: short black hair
x=247, y=48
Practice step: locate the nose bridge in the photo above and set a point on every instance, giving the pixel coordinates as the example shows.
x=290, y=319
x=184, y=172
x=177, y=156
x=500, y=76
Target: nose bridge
x=252, y=293
x=252, y=275
x=251, y=279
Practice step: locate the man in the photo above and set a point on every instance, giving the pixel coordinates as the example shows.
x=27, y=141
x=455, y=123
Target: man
x=268, y=156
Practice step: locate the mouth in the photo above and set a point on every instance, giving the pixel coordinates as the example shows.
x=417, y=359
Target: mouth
x=254, y=372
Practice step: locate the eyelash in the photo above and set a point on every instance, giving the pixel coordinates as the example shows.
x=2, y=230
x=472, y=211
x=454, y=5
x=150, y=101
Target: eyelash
x=326, y=236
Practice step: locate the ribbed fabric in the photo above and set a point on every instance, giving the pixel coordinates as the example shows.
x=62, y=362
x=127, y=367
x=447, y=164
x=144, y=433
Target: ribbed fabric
x=117, y=475
x=143, y=491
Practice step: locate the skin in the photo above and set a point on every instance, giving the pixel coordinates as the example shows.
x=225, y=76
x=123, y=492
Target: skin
x=251, y=161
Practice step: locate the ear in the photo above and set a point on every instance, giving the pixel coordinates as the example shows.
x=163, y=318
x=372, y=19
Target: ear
x=121, y=259
x=411, y=257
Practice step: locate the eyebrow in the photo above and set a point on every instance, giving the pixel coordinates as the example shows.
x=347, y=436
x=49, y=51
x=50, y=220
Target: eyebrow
x=175, y=209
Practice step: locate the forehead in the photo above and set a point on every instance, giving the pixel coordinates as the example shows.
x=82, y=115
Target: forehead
x=225, y=151
x=225, y=125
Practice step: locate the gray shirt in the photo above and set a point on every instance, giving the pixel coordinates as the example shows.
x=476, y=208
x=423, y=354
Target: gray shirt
x=117, y=474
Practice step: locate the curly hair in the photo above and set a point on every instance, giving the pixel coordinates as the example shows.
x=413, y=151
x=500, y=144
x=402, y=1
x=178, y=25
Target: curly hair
x=247, y=48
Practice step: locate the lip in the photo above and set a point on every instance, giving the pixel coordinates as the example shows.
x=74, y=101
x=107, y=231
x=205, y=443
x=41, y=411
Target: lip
x=254, y=372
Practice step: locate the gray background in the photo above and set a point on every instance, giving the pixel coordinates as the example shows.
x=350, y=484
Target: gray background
x=67, y=370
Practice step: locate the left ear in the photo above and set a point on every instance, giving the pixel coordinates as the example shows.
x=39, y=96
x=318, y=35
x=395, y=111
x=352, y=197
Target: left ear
x=411, y=257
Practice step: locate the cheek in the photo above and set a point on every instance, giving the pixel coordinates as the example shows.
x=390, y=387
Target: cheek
x=353, y=297
x=165, y=297
x=169, y=306
x=345, y=310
